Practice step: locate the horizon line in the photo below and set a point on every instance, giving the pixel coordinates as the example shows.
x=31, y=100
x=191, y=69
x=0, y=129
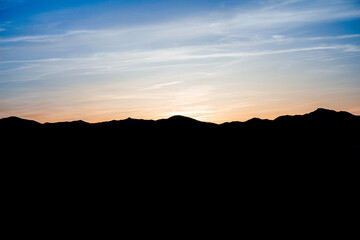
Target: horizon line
x=183, y=116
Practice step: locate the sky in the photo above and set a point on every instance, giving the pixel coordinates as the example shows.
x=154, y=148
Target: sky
x=212, y=60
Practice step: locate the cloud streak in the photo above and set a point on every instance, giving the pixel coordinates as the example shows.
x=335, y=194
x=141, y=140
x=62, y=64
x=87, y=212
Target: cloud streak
x=45, y=38
x=235, y=22
x=162, y=85
x=120, y=62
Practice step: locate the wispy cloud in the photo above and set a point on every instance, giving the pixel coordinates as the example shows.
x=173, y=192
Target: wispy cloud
x=161, y=85
x=146, y=60
x=334, y=37
x=117, y=62
x=45, y=38
x=224, y=25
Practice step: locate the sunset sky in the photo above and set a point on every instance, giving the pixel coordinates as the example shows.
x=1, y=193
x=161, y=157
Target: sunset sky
x=211, y=60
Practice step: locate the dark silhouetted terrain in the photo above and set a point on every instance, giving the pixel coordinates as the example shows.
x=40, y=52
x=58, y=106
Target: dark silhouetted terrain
x=293, y=166
x=316, y=135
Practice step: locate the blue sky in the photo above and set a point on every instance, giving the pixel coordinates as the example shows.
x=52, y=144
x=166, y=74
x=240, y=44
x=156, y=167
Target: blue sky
x=212, y=60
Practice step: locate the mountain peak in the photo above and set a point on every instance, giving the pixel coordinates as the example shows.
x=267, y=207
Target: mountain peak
x=182, y=118
x=13, y=118
x=17, y=121
x=323, y=110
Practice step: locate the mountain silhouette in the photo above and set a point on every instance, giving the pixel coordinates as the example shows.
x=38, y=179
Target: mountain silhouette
x=17, y=123
x=286, y=162
x=318, y=134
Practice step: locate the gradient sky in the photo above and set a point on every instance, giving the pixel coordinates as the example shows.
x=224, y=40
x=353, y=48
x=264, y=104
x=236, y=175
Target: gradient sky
x=211, y=60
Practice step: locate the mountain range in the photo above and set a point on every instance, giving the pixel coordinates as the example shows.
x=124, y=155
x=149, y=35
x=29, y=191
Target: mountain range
x=293, y=162
x=321, y=133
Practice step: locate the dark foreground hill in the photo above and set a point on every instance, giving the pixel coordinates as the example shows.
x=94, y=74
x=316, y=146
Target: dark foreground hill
x=319, y=134
x=297, y=171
